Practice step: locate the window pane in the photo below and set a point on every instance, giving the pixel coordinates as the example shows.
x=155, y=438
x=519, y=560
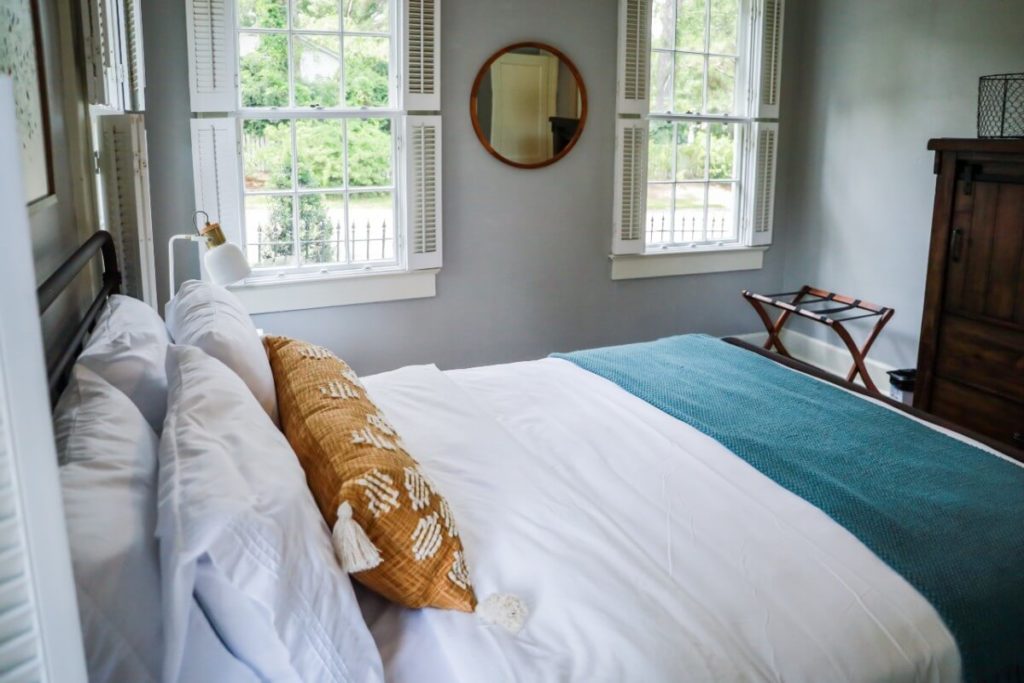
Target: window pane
x=263, y=13
x=268, y=230
x=690, y=20
x=721, y=85
x=372, y=226
x=721, y=211
x=659, y=214
x=661, y=81
x=725, y=22
x=691, y=150
x=369, y=153
x=660, y=151
x=267, y=148
x=723, y=151
x=689, y=89
x=662, y=28
x=689, y=225
x=366, y=72
x=317, y=14
x=263, y=60
x=321, y=221
x=370, y=16
x=319, y=144
x=317, y=71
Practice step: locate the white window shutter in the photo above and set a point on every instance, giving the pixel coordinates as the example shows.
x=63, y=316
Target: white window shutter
x=124, y=164
x=40, y=637
x=422, y=73
x=421, y=144
x=768, y=56
x=216, y=172
x=761, y=215
x=135, y=71
x=630, y=187
x=211, y=55
x=634, y=56
x=99, y=28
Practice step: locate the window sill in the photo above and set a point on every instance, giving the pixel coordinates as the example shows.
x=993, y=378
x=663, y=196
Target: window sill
x=686, y=262
x=274, y=295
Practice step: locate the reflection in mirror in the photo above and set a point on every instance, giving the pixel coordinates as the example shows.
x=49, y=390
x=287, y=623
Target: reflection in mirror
x=529, y=105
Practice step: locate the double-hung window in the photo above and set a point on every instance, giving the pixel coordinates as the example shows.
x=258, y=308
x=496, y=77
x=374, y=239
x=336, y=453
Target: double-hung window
x=316, y=140
x=697, y=124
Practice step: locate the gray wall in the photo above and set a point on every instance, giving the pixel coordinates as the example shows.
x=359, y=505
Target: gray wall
x=55, y=231
x=874, y=80
x=526, y=269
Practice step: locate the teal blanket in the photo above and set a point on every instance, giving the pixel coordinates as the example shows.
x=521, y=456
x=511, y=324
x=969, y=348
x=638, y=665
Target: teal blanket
x=945, y=515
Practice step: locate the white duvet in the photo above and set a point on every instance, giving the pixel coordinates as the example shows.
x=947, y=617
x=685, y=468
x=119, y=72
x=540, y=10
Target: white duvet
x=645, y=550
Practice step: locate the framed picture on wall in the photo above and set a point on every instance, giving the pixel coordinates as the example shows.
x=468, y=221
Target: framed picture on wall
x=21, y=57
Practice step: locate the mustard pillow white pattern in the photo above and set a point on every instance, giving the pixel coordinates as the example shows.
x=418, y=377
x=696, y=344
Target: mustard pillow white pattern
x=392, y=529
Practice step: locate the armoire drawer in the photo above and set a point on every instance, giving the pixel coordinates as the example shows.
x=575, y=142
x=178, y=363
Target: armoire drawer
x=979, y=411
x=982, y=355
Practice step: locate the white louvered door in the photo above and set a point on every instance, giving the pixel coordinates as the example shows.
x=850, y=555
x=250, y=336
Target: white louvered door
x=211, y=49
x=216, y=173
x=630, y=186
x=422, y=59
x=135, y=72
x=421, y=144
x=40, y=637
x=761, y=176
x=124, y=167
x=634, y=56
x=768, y=59
x=102, y=52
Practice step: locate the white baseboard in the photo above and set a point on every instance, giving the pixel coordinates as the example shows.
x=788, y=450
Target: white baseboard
x=823, y=355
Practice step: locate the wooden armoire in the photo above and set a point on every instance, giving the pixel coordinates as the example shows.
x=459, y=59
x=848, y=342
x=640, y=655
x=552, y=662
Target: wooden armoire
x=971, y=358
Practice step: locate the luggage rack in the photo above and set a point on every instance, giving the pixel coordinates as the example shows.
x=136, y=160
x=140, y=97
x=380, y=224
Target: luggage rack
x=828, y=308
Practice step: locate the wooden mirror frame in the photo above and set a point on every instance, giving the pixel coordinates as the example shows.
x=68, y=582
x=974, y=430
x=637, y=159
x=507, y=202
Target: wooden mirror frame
x=474, y=97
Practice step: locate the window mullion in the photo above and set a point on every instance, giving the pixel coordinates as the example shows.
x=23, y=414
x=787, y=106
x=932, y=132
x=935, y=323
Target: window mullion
x=296, y=241
x=675, y=177
x=707, y=177
x=341, y=58
x=346, y=227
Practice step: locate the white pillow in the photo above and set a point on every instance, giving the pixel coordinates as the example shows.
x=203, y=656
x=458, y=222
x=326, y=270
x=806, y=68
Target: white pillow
x=212, y=318
x=108, y=456
x=127, y=348
x=108, y=479
x=239, y=528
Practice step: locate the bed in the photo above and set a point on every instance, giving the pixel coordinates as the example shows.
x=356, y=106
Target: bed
x=644, y=548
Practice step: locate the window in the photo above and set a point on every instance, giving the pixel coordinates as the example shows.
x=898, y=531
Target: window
x=698, y=89
x=692, y=179
x=308, y=151
x=319, y=190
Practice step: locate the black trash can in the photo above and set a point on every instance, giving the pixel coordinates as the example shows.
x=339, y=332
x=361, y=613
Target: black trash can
x=901, y=385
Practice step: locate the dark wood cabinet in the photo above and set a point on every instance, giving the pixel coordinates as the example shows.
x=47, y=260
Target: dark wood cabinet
x=971, y=359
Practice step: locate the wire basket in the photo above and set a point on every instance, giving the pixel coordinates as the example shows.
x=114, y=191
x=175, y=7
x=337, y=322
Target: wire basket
x=1001, y=106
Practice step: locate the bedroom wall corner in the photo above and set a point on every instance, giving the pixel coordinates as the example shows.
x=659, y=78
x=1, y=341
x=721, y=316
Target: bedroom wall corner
x=168, y=113
x=874, y=82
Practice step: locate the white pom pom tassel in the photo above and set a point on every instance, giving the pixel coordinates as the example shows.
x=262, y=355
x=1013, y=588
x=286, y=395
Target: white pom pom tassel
x=506, y=611
x=354, y=549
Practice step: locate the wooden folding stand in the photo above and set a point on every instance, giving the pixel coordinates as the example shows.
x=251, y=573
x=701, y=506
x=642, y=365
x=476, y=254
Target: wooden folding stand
x=800, y=303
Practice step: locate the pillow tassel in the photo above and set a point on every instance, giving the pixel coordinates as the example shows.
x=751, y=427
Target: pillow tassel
x=504, y=610
x=355, y=550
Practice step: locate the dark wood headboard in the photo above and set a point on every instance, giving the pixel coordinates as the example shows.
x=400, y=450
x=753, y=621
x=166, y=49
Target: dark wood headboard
x=58, y=368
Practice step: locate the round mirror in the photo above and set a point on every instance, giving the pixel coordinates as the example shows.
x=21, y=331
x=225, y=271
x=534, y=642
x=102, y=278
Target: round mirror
x=529, y=105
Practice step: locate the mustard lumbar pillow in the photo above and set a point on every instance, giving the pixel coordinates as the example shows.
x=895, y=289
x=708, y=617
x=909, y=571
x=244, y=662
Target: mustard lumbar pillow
x=392, y=529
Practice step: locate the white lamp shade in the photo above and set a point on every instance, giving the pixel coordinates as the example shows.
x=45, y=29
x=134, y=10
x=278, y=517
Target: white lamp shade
x=226, y=264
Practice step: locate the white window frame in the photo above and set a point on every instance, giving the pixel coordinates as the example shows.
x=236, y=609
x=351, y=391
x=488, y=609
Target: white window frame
x=293, y=113
x=216, y=101
x=756, y=121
